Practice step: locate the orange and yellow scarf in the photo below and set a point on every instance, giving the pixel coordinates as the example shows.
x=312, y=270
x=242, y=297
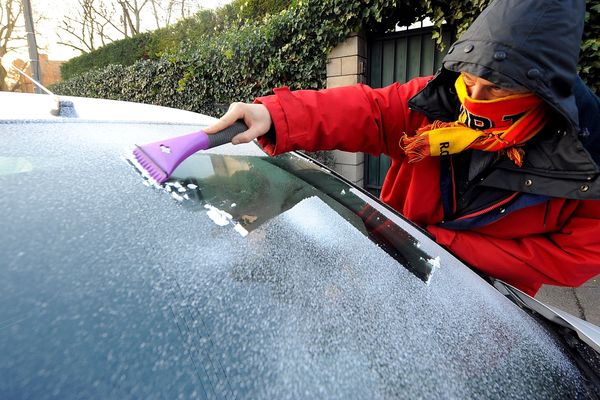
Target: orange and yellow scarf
x=489, y=125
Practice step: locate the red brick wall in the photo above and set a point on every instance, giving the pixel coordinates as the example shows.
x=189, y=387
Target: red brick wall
x=49, y=69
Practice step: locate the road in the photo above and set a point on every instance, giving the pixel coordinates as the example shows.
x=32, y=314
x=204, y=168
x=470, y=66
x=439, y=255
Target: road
x=583, y=302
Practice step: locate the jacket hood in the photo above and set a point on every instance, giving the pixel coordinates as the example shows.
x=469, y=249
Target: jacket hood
x=529, y=43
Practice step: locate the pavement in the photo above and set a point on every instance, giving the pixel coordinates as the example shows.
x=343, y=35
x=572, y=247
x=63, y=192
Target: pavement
x=583, y=302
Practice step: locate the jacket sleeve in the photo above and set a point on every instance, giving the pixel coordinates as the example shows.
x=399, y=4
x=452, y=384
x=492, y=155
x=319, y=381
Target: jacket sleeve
x=569, y=257
x=351, y=118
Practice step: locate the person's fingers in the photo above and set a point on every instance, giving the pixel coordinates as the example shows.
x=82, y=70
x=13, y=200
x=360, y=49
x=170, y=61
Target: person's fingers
x=246, y=136
x=235, y=112
x=255, y=116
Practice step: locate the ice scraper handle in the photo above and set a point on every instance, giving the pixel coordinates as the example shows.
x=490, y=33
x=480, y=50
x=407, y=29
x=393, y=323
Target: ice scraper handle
x=159, y=159
x=226, y=134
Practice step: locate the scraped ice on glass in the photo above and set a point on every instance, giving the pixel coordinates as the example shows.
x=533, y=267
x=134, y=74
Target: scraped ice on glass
x=176, y=196
x=148, y=180
x=435, y=265
x=435, y=262
x=219, y=217
x=241, y=230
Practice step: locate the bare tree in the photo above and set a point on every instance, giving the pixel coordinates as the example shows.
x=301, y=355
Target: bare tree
x=89, y=28
x=10, y=13
x=165, y=12
x=131, y=17
x=157, y=11
x=99, y=22
x=16, y=81
x=182, y=8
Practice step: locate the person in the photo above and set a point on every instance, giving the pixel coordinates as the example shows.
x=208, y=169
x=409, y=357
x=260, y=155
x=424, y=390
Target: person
x=496, y=156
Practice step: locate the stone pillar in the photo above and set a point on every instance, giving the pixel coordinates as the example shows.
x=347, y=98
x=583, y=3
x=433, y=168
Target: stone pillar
x=347, y=65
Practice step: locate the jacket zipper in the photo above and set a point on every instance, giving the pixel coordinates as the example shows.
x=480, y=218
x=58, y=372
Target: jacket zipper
x=488, y=209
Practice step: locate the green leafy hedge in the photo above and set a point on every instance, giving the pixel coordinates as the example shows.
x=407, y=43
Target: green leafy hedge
x=147, y=45
x=286, y=48
x=184, y=34
x=126, y=52
x=589, y=62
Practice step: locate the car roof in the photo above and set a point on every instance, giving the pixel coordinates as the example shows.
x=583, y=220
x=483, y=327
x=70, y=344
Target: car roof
x=29, y=106
x=245, y=276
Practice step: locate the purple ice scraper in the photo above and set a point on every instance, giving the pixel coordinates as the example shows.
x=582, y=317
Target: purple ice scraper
x=159, y=159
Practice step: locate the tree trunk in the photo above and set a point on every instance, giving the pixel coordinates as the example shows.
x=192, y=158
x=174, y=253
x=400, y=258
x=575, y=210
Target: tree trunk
x=3, y=74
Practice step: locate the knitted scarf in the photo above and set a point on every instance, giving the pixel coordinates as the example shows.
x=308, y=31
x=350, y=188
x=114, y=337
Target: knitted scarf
x=489, y=125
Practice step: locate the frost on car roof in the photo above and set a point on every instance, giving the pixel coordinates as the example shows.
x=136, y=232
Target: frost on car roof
x=29, y=106
x=111, y=289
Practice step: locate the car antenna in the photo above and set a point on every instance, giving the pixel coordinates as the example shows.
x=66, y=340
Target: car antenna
x=62, y=108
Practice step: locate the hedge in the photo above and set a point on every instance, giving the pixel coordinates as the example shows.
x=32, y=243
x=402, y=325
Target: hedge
x=589, y=62
x=183, y=34
x=125, y=52
x=287, y=48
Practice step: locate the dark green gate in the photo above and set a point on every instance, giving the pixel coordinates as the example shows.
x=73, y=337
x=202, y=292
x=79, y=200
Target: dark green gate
x=399, y=57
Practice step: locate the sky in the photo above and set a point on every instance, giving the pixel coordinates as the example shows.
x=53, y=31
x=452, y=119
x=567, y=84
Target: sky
x=53, y=13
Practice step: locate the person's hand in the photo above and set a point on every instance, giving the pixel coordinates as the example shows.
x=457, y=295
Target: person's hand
x=255, y=116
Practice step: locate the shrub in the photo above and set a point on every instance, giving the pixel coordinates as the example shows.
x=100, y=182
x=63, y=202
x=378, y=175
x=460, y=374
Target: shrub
x=286, y=48
x=589, y=62
x=125, y=52
x=186, y=32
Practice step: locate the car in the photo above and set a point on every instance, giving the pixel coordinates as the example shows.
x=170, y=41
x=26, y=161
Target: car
x=243, y=276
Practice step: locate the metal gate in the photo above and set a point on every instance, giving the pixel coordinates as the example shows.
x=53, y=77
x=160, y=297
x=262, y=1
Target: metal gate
x=399, y=57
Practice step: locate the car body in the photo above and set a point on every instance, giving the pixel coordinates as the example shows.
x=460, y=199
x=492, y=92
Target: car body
x=245, y=276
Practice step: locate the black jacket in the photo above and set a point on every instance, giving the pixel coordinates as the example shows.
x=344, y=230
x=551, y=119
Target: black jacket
x=534, y=43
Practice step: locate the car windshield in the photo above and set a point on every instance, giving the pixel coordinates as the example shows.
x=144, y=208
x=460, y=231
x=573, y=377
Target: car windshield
x=249, y=191
x=244, y=277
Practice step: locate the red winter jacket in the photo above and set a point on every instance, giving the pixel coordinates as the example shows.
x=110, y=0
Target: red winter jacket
x=555, y=242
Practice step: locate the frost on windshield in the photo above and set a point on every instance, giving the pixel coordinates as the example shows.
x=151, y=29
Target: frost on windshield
x=14, y=165
x=111, y=290
x=348, y=320
x=245, y=192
